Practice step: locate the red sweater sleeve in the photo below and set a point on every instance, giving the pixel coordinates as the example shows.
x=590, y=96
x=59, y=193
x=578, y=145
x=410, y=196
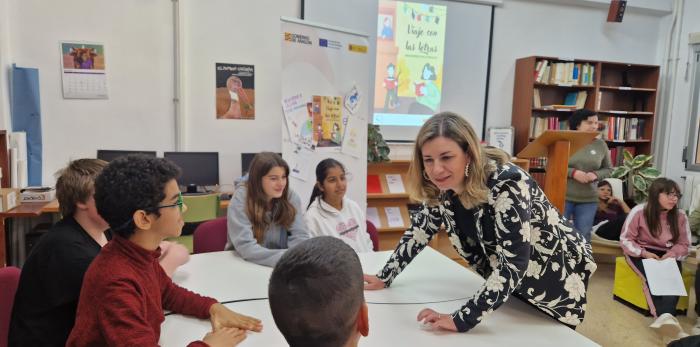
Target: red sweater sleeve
x=181, y=300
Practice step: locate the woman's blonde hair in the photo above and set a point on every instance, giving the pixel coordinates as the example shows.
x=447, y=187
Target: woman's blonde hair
x=281, y=210
x=452, y=126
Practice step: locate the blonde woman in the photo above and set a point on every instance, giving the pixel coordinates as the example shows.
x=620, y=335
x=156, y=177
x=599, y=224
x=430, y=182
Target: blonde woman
x=498, y=220
x=265, y=216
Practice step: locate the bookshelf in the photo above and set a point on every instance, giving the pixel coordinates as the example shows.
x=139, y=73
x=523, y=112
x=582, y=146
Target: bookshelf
x=623, y=95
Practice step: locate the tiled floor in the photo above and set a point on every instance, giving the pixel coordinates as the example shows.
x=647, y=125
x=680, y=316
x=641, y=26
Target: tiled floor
x=610, y=323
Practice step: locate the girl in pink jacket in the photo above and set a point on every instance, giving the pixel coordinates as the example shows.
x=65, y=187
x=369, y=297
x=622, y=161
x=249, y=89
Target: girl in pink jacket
x=658, y=229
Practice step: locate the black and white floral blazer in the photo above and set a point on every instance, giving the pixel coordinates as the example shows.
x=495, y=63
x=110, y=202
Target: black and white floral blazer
x=520, y=244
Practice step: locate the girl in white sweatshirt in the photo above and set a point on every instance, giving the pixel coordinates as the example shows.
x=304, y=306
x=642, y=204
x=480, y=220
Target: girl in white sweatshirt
x=330, y=213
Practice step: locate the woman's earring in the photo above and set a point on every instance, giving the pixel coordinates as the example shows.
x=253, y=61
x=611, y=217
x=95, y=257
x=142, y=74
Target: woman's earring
x=425, y=175
x=466, y=171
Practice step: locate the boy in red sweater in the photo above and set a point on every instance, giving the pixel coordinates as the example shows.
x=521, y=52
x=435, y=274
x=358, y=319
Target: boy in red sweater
x=124, y=290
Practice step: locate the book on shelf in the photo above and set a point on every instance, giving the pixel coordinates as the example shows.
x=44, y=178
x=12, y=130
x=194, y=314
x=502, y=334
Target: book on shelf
x=373, y=184
x=581, y=99
x=570, y=99
x=576, y=99
x=536, y=99
x=559, y=107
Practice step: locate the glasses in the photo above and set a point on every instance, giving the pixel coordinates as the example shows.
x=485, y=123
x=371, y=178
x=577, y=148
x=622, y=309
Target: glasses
x=674, y=195
x=180, y=203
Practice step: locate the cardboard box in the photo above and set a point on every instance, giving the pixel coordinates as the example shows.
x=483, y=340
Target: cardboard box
x=37, y=194
x=9, y=197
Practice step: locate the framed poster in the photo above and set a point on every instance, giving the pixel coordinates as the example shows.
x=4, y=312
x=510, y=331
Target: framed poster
x=501, y=137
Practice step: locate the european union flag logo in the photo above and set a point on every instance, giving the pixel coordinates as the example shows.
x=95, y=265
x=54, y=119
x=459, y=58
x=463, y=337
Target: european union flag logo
x=323, y=42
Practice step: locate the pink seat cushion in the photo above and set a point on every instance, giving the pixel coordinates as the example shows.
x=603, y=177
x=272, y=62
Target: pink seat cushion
x=9, y=279
x=210, y=236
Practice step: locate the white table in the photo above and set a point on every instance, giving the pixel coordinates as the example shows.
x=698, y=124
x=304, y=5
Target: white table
x=431, y=277
x=431, y=280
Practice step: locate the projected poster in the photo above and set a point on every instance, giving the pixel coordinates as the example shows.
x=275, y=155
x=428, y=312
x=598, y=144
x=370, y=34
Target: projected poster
x=409, y=62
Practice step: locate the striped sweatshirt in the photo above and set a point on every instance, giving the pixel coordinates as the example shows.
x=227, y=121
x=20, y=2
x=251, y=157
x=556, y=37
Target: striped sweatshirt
x=636, y=236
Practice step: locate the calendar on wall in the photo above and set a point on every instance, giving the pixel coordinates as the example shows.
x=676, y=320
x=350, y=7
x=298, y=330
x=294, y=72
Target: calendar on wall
x=84, y=70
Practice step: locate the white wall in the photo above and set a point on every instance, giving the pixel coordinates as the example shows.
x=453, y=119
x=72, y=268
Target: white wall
x=524, y=28
x=237, y=32
x=137, y=36
x=677, y=134
x=138, y=39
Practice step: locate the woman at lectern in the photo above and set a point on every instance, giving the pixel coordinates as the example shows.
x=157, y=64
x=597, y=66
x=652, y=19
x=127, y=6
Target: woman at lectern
x=499, y=220
x=587, y=166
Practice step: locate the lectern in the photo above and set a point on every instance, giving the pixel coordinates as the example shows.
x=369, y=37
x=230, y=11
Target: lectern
x=557, y=146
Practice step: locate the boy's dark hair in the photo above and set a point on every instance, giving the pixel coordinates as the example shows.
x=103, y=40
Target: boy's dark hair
x=579, y=116
x=316, y=292
x=129, y=184
x=76, y=183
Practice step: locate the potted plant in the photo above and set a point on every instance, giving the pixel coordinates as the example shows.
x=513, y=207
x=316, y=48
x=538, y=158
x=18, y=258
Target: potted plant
x=377, y=149
x=637, y=173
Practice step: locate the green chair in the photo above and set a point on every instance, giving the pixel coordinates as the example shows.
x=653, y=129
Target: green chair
x=200, y=208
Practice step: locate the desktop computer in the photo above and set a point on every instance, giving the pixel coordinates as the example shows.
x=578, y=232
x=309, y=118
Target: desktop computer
x=199, y=169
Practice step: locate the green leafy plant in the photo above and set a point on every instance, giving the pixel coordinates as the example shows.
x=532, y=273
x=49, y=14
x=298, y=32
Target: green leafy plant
x=377, y=149
x=638, y=173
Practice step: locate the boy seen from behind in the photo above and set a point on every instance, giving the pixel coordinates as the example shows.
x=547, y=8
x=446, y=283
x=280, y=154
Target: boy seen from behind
x=316, y=294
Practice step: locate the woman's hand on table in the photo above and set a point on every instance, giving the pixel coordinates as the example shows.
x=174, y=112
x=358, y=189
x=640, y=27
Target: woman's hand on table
x=437, y=320
x=372, y=282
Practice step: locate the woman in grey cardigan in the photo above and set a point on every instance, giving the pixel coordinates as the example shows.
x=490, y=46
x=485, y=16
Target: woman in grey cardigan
x=587, y=167
x=265, y=216
x=498, y=220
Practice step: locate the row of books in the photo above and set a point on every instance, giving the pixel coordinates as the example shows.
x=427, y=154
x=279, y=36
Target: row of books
x=616, y=154
x=567, y=73
x=621, y=128
x=538, y=125
x=538, y=162
x=572, y=100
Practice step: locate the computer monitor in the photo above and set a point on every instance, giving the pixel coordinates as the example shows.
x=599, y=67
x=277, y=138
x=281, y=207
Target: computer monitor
x=109, y=154
x=199, y=169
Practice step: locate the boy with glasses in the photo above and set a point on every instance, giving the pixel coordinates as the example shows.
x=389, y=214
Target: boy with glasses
x=44, y=309
x=125, y=290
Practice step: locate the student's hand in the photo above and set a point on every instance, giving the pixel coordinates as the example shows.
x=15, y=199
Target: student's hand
x=373, y=282
x=580, y=176
x=224, y=337
x=439, y=320
x=222, y=317
x=649, y=255
x=667, y=255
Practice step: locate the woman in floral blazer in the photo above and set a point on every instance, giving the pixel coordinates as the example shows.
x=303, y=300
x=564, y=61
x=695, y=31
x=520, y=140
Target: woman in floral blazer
x=498, y=220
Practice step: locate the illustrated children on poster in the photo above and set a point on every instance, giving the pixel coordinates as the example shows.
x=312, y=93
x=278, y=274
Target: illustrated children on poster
x=387, y=32
x=235, y=91
x=391, y=83
x=427, y=93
